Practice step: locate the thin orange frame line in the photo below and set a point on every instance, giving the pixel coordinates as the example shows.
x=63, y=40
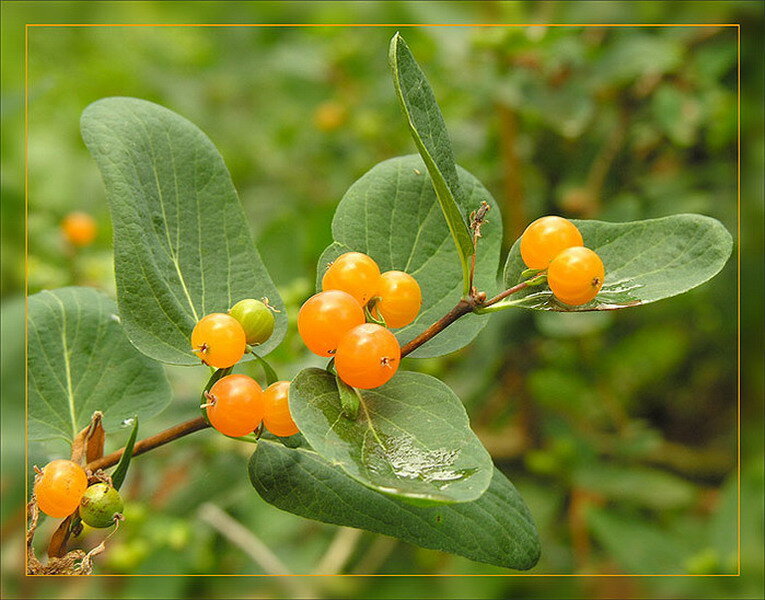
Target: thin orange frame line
x=382, y=25
x=738, y=290
x=738, y=270
x=26, y=286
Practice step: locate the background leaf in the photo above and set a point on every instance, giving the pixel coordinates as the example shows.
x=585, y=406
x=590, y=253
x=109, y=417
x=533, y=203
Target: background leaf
x=496, y=529
x=645, y=261
x=411, y=438
x=426, y=124
x=80, y=361
x=182, y=247
x=391, y=214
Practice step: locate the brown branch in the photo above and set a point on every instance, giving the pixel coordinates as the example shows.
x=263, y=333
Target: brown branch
x=506, y=293
x=154, y=441
x=463, y=307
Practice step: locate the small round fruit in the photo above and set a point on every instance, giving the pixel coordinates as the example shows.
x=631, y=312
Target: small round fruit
x=576, y=275
x=256, y=319
x=219, y=340
x=354, y=273
x=400, y=298
x=235, y=405
x=368, y=356
x=325, y=318
x=329, y=116
x=277, y=417
x=79, y=229
x=99, y=505
x=547, y=237
x=59, y=489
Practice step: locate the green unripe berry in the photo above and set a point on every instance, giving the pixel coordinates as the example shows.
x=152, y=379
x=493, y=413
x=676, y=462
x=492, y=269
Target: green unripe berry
x=99, y=505
x=256, y=319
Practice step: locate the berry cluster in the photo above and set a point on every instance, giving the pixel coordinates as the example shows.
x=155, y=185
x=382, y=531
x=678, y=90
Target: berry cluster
x=334, y=323
x=236, y=404
x=62, y=488
x=221, y=339
x=574, y=273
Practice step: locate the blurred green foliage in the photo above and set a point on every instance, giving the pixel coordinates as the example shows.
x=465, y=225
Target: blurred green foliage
x=620, y=430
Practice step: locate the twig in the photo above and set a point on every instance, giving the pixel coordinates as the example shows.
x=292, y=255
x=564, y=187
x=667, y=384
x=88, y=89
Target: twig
x=463, y=307
x=258, y=551
x=149, y=443
x=506, y=293
x=476, y=300
x=477, y=219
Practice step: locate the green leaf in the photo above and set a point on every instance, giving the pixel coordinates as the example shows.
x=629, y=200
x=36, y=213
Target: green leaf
x=426, y=124
x=350, y=399
x=391, y=214
x=411, y=438
x=182, y=247
x=268, y=370
x=81, y=361
x=118, y=476
x=496, y=529
x=645, y=261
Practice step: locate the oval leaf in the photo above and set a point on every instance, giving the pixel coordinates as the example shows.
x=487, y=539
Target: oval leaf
x=81, y=361
x=426, y=124
x=411, y=438
x=497, y=528
x=182, y=247
x=645, y=261
x=391, y=214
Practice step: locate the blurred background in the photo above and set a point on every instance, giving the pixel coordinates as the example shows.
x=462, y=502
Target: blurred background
x=620, y=430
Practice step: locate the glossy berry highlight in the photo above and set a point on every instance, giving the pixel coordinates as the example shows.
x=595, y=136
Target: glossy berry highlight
x=368, y=356
x=219, y=340
x=576, y=275
x=60, y=487
x=79, y=229
x=325, y=318
x=100, y=504
x=398, y=299
x=235, y=405
x=277, y=417
x=547, y=237
x=354, y=273
x=256, y=319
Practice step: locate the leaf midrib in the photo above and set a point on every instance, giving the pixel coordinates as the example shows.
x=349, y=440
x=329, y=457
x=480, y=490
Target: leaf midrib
x=68, y=369
x=170, y=249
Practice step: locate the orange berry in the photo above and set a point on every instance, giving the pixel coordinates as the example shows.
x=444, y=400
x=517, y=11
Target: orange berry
x=399, y=300
x=219, y=340
x=325, y=318
x=329, y=116
x=60, y=488
x=354, y=273
x=277, y=417
x=576, y=275
x=547, y=237
x=79, y=229
x=368, y=356
x=235, y=405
